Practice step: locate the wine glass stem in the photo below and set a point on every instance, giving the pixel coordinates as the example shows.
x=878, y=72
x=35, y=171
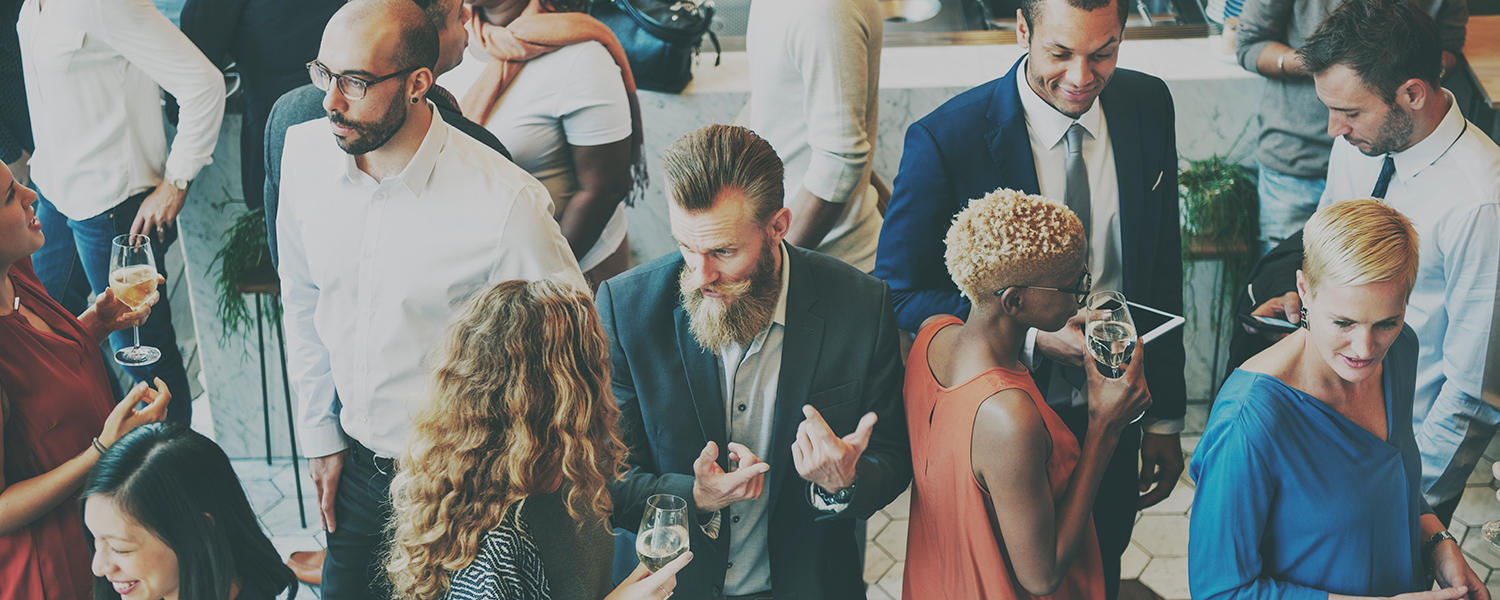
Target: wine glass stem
x=136, y=331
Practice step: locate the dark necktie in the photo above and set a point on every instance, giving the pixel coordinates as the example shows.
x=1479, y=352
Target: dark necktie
x=1384, y=181
x=1076, y=184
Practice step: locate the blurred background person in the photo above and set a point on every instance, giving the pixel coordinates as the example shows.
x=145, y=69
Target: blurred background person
x=1309, y=478
x=1004, y=493
x=57, y=413
x=166, y=517
x=554, y=85
x=502, y=492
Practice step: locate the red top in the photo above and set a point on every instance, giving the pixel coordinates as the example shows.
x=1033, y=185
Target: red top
x=57, y=399
x=954, y=548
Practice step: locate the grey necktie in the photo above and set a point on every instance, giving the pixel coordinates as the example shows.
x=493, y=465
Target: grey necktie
x=1076, y=188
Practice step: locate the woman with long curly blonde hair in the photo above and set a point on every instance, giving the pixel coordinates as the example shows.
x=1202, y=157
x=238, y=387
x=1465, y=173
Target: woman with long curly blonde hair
x=502, y=492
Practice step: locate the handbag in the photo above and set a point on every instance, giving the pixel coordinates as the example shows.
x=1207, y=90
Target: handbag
x=660, y=38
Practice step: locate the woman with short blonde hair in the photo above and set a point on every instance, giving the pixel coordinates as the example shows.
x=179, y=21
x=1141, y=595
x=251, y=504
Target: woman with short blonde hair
x=508, y=464
x=1308, y=472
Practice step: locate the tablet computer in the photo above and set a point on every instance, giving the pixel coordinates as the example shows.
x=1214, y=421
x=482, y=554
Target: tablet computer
x=1152, y=322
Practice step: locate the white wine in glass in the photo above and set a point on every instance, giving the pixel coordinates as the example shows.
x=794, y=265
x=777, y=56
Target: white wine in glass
x=663, y=535
x=1109, y=333
x=132, y=277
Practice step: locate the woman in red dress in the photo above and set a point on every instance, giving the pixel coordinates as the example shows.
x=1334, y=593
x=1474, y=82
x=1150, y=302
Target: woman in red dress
x=55, y=413
x=1003, y=491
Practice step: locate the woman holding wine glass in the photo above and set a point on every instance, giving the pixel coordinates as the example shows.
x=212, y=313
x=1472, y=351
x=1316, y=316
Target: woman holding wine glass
x=1003, y=492
x=1308, y=472
x=507, y=466
x=57, y=413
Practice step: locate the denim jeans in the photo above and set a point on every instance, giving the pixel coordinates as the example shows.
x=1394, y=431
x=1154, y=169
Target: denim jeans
x=74, y=263
x=1286, y=202
x=353, y=567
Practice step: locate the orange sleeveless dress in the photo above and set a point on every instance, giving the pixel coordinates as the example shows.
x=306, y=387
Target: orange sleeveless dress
x=954, y=549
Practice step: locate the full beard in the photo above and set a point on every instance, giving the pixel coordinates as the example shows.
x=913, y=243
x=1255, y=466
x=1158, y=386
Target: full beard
x=1394, y=132
x=716, y=323
x=371, y=136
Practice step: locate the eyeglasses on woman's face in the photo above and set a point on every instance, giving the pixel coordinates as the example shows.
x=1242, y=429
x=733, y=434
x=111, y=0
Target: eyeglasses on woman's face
x=1079, y=288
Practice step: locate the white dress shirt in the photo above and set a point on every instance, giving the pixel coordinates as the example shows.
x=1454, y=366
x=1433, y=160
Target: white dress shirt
x=92, y=69
x=751, y=380
x=1448, y=185
x=1048, y=130
x=814, y=95
x=372, y=272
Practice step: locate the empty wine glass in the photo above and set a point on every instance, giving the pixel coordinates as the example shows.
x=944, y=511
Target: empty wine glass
x=663, y=535
x=132, y=277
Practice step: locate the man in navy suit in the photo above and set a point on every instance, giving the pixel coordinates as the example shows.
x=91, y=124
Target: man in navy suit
x=738, y=363
x=1066, y=124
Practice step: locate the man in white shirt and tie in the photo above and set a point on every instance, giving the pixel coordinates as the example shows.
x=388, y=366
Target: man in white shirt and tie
x=94, y=73
x=386, y=228
x=1401, y=137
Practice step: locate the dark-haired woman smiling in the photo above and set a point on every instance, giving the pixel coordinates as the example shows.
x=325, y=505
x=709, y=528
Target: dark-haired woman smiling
x=167, y=519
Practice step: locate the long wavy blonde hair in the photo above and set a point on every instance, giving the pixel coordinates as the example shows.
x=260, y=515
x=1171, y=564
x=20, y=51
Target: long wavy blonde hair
x=521, y=405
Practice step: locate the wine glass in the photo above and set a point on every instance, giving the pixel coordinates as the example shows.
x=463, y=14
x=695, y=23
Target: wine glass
x=1110, y=334
x=663, y=535
x=132, y=277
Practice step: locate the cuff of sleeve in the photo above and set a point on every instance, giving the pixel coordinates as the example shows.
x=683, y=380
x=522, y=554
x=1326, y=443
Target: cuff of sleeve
x=1161, y=426
x=322, y=441
x=834, y=177
x=1028, y=350
x=183, y=169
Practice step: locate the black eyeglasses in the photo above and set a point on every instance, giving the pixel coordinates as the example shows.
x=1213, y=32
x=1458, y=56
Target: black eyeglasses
x=351, y=87
x=1080, y=289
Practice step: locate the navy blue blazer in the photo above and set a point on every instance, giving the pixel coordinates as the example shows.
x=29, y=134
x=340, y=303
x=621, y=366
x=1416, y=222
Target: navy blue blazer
x=840, y=354
x=977, y=142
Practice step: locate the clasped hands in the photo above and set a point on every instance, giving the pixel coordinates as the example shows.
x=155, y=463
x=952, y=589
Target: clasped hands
x=820, y=457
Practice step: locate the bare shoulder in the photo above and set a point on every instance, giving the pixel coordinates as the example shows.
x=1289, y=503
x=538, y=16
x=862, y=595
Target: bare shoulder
x=1007, y=417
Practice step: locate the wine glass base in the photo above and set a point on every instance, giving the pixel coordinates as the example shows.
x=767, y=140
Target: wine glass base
x=137, y=356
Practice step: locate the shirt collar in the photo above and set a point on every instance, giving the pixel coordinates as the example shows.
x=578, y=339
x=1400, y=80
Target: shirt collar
x=1046, y=122
x=1423, y=154
x=779, y=317
x=419, y=169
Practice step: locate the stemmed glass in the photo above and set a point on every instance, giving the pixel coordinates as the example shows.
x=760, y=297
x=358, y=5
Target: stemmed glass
x=663, y=535
x=132, y=277
x=1110, y=334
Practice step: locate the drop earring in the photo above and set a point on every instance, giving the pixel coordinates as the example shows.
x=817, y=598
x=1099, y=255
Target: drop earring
x=1303, y=321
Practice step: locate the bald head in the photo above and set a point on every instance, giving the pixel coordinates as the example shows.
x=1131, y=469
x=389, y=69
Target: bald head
x=388, y=34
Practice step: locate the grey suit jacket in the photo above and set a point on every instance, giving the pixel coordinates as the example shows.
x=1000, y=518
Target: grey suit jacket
x=840, y=354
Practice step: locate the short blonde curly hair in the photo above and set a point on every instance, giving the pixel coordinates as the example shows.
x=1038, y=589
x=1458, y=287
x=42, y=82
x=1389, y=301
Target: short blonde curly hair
x=1011, y=238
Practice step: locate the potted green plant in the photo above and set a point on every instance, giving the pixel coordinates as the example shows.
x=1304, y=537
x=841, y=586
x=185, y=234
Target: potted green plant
x=243, y=266
x=1219, y=207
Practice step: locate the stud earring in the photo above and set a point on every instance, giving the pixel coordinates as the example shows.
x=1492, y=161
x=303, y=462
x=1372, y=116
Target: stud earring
x=415, y=99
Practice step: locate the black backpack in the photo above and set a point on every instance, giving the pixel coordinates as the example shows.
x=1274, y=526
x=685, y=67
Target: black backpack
x=660, y=38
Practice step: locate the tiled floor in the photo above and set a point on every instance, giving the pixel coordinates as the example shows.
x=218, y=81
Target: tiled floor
x=1154, y=567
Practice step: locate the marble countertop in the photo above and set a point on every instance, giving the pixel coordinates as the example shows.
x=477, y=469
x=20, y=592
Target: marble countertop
x=969, y=65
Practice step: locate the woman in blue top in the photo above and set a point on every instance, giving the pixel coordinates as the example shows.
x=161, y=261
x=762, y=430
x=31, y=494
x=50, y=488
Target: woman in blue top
x=1307, y=472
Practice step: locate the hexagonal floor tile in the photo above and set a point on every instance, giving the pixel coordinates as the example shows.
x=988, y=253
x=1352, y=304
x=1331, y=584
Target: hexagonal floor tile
x=1167, y=577
x=1162, y=535
x=1133, y=562
x=893, y=539
x=877, y=562
x=1178, y=503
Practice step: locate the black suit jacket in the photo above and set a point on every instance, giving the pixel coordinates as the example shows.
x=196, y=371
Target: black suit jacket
x=978, y=142
x=840, y=354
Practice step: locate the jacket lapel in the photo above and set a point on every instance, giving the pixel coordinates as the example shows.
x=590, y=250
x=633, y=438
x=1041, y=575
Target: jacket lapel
x=1008, y=143
x=802, y=341
x=703, y=374
x=1135, y=215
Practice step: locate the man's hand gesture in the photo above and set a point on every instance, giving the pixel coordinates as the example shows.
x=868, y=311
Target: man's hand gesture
x=714, y=489
x=825, y=459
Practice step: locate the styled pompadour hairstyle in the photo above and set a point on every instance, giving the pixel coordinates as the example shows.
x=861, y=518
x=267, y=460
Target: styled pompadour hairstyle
x=1359, y=242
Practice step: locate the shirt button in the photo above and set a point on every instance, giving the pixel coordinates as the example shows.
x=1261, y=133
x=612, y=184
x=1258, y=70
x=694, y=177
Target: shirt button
x=731, y=565
x=735, y=519
x=741, y=408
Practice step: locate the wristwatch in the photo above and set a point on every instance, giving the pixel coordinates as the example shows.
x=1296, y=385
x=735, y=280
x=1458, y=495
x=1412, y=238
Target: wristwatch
x=829, y=503
x=179, y=183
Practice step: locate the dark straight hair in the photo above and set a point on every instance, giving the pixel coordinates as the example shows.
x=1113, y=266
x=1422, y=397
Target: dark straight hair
x=180, y=486
x=1385, y=42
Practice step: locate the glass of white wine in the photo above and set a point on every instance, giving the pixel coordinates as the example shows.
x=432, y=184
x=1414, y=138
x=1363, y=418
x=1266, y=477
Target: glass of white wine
x=1110, y=334
x=132, y=277
x=663, y=535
